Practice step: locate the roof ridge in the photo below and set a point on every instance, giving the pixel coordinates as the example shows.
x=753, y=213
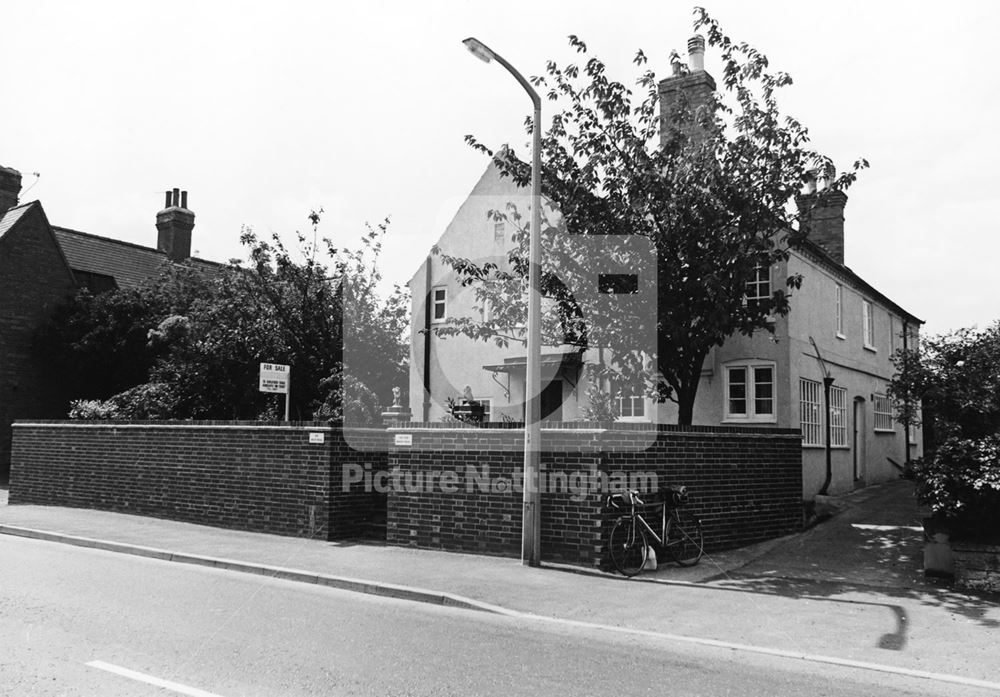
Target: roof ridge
x=126, y=243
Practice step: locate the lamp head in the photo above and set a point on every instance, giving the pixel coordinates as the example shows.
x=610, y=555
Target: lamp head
x=478, y=49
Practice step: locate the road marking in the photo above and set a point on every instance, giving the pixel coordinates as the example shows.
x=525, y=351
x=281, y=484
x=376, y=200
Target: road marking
x=750, y=648
x=886, y=528
x=150, y=680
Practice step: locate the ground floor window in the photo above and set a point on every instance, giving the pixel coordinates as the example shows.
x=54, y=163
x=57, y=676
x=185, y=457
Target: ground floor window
x=838, y=416
x=883, y=412
x=749, y=391
x=810, y=414
x=631, y=406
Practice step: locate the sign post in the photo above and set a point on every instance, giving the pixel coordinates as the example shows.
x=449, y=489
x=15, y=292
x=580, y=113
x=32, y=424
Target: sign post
x=276, y=378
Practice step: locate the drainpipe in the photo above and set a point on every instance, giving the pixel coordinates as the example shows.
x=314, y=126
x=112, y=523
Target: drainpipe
x=827, y=384
x=428, y=308
x=906, y=403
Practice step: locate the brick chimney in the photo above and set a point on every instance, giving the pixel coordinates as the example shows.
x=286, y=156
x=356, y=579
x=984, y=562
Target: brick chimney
x=173, y=225
x=687, y=95
x=822, y=216
x=10, y=188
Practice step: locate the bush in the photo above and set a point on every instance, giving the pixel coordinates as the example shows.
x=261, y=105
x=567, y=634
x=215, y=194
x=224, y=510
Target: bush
x=961, y=484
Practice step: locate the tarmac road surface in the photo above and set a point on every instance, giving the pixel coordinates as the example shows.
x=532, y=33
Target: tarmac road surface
x=85, y=622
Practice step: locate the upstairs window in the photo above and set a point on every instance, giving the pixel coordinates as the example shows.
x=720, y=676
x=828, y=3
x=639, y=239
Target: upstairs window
x=439, y=302
x=840, y=310
x=868, y=323
x=499, y=231
x=749, y=392
x=759, y=287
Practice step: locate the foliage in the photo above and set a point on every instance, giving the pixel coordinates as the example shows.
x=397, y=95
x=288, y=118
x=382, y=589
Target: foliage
x=713, y=199
x=97, y=345
x=601, y=404
x=960, y=482
x=956, y=377
x=204, y=336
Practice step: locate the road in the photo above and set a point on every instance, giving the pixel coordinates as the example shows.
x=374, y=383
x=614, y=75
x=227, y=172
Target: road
x=85, y=622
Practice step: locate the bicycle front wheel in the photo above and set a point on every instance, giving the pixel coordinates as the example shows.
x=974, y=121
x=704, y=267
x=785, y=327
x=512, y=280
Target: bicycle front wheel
x=628, y=546
x=684, y=540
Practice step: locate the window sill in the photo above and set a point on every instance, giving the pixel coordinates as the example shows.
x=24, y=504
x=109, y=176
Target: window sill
x=884, y=431
x=870, y=348
x=747, y=422
x=820, y=446
x=633, y=419
x=842, y=337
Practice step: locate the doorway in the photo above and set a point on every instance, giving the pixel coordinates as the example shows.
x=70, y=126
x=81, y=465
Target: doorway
x=552, y=399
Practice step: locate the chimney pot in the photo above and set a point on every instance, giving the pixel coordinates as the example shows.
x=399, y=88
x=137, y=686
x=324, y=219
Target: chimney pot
x=173, y=226
x=184, y=199
x=696, y=53
x=177, y=197
x=166, y=201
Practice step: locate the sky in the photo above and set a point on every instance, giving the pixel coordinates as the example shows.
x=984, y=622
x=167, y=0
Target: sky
x=266, y=111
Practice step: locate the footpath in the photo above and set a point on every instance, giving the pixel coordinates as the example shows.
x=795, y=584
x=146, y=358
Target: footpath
x=850, y=589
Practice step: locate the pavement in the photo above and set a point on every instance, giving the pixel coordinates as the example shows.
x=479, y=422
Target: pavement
x=850, y=588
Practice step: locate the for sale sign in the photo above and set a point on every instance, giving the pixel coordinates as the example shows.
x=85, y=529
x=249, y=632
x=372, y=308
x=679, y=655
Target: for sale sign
x=274, y=378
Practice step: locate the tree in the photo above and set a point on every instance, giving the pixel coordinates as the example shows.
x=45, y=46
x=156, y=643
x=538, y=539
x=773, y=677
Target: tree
x=955, y=378
x=713, y=199
x=202, y=341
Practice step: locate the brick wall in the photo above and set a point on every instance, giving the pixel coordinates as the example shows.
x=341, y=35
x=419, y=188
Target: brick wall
x=249, y=476
x=34, y=279
x=746, y=485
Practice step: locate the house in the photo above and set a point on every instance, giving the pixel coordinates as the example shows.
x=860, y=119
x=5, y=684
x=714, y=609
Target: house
x=41, y=265
x=840, y=327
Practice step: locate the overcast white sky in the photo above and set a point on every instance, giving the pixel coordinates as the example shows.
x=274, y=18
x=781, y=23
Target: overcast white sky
x=264, y=111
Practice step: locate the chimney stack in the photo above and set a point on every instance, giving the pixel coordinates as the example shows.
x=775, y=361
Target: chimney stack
x=687, y=96
x=821, y=214
x=10, y=188
x=173, y=225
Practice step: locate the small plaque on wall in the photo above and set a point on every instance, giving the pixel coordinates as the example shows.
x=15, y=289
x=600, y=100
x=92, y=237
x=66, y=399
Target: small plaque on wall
x=317, y=437
x=403, y=439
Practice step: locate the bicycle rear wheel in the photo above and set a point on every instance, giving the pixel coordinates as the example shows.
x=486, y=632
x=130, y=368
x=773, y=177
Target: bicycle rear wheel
x=684, y=540
x=627, y=545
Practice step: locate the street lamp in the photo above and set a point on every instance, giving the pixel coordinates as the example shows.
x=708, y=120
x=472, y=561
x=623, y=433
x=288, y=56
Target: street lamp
x=531, y=520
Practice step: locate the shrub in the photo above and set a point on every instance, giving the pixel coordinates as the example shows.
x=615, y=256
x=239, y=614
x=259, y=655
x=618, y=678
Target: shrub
x=961, y=484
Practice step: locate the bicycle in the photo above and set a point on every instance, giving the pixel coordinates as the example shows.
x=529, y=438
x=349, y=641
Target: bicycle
x=680, y=534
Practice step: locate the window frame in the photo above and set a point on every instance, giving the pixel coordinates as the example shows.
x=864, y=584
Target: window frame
x=633, y=400
x=884, y=416
x=750, y=397
x=500, y=226
x=443, y=303
x=487, y=403
x=756, y=283
x=868, y=324
x=838, y=417
x=840, y=311
x=816, y=407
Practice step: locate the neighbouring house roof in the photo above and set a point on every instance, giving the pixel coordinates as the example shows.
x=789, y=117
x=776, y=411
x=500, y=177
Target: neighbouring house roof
x=11, y=217
x=129, y=264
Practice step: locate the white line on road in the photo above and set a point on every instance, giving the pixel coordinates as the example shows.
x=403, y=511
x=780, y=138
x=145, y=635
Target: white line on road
x=886, y=528
x=150, y=680
x=815, y=658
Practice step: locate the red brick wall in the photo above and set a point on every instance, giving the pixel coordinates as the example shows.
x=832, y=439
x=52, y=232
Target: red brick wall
x=33, y=281
x=746, y=486
x=230, y=474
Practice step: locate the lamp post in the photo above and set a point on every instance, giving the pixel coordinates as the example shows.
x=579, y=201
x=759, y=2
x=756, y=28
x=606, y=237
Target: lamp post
x=531, y=520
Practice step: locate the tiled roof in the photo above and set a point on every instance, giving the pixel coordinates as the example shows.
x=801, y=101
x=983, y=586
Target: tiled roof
x=129, y=264
x=12, y=216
